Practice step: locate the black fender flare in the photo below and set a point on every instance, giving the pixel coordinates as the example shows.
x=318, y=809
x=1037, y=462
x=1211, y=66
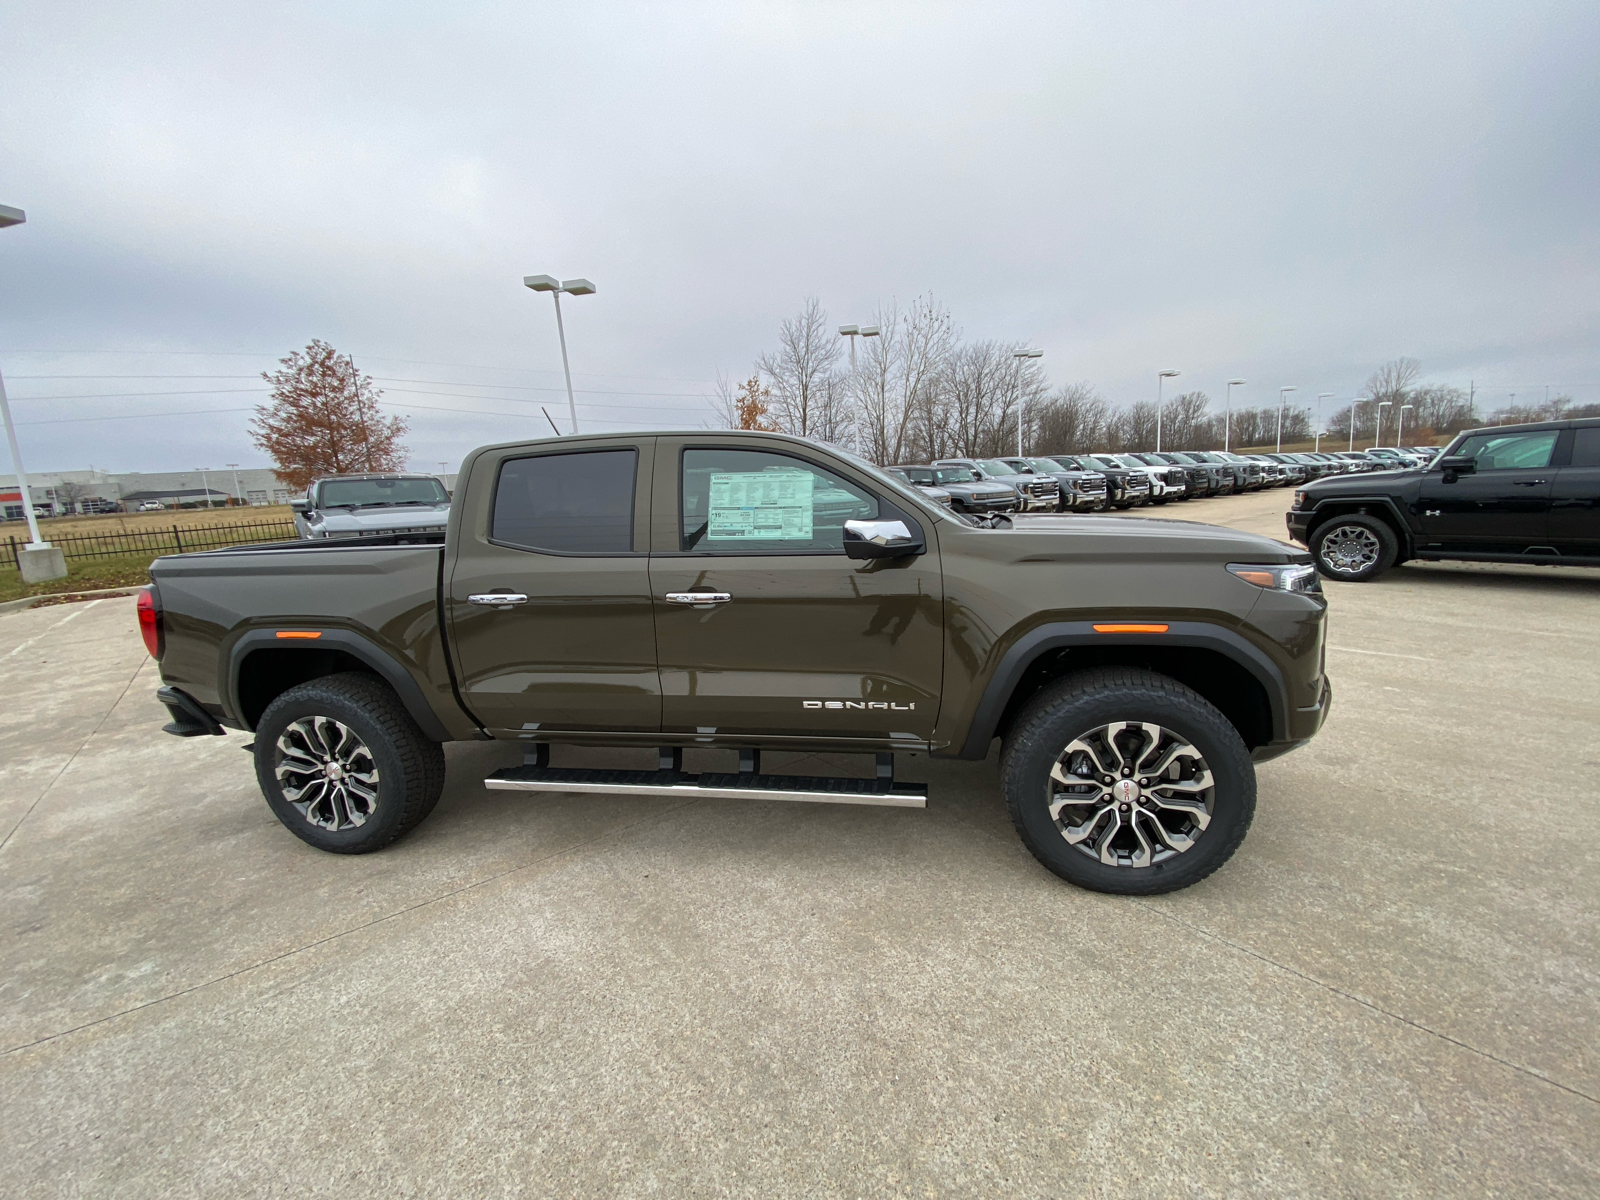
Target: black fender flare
x=1402, y=526
x=1055, y=636
x=381, y=661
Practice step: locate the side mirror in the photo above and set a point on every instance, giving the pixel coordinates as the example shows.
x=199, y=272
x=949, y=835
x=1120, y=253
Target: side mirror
x=1458, y=464
x=300, y=505
x=880, y=539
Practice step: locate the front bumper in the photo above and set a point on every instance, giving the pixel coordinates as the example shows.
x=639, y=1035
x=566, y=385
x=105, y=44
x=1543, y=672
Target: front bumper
x=1303, y=726
x=1299, y=524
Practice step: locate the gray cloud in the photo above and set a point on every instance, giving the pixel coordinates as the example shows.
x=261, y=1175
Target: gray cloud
x=1289, y=193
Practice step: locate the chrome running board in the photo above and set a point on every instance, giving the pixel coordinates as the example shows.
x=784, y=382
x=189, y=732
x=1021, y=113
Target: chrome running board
x=708, y=786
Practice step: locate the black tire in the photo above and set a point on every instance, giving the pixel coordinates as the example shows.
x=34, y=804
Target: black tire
x=1083, y=706
x=1354, y=548
x=409, y=767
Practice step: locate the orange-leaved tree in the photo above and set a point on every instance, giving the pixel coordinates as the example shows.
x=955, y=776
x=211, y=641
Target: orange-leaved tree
x=323, y=419
x=751, y=404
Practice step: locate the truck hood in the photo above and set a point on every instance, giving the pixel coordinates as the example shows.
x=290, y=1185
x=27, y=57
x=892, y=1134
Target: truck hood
x=1144, y=537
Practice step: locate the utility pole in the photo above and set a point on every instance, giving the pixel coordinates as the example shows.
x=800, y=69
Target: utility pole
x=1283, y=399
x=573, y=287
x=237, y=494
x=1022, y=403
x=1227, y=420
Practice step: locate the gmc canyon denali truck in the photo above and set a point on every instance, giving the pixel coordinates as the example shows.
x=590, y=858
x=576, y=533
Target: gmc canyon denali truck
x=748, y=592
x=1513, y=493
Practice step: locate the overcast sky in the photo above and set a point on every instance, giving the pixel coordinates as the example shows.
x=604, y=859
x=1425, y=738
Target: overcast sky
x=1286, y=192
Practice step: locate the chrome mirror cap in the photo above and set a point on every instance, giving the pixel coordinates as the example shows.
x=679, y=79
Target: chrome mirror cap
x=880, y=539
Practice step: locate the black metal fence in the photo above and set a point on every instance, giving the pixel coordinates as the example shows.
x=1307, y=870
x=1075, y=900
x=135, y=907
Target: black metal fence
x=175, y=540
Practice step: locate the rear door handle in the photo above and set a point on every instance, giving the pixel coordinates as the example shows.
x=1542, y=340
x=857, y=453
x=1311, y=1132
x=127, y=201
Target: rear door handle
x=1528, y=482
x=700, y=599
x=498, y=599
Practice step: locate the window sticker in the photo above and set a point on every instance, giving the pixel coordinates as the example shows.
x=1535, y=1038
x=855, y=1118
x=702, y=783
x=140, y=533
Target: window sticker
x=764, y=505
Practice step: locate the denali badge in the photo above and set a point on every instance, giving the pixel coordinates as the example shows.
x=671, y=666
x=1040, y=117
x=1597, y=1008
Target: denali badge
x=884, y=704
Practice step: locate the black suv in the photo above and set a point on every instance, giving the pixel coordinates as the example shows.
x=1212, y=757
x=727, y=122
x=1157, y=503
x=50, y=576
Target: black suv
x=1515, y=493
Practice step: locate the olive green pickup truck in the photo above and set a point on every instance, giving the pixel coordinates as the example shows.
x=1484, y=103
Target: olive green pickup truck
x=749, y=592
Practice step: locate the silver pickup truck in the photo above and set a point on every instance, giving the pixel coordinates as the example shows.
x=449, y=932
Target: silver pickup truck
x=376, y=505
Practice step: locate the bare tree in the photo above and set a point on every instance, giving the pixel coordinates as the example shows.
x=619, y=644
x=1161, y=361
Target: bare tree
x=807, y=354
x=725, y=404
x=1072, y=420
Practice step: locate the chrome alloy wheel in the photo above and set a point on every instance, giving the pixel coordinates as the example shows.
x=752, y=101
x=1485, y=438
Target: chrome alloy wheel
x=1350, y=549
x=327, y=773
x=1131, y=794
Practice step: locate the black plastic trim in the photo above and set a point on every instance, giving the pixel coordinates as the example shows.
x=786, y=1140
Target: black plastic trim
x=189, y=718
x=1039, y=641
x=354, y=644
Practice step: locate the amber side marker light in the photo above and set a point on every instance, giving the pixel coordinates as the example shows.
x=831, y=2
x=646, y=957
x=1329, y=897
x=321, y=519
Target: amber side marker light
x=1130, y=628
x=1264, y=579
x=298, y=633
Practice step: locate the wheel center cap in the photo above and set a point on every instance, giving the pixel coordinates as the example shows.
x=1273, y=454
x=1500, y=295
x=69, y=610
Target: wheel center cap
x=1126, y=791
x=335, y=771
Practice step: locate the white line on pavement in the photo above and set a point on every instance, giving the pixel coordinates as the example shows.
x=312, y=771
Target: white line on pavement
x=1381, y=653
x=18, y=649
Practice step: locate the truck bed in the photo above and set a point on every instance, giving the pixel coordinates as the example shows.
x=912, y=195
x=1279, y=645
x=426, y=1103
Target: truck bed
x=376, y=604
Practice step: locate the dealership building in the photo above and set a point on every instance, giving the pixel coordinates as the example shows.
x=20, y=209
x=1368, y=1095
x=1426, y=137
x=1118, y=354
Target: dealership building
x=61, y=492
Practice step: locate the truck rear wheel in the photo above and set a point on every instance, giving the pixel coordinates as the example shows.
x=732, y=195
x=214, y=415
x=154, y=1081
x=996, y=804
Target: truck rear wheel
x=343, y=765
x=1122, y=780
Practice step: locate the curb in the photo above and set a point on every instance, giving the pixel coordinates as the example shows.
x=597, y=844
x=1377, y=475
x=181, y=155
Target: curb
x=11, y=606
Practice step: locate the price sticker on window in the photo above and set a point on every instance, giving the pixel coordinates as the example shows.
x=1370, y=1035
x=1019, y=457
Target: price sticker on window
x=769, y=506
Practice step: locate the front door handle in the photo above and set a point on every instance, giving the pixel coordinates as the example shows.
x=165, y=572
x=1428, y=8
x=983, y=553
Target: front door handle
x=498, y=599
x=1528, y=482
x=700, y=599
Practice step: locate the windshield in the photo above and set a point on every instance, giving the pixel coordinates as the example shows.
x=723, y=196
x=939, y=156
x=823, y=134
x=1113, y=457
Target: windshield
x=952, y=475
x=995, y=466
x=1102, y=460
x=923, y=475
x=369, y=493
x=1044, y=465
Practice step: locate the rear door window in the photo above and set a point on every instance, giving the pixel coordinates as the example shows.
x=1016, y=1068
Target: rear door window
x=1586, y=447
x=575, y=503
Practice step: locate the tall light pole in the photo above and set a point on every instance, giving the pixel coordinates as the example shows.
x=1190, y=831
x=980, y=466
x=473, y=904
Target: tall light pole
x=1353, y=403
x=15, y=216
x=1283, y=399
x=1377, y=434
x=1399, y=434
x=572, y=287
x=237, y=494
x=1022, y=402
x=854, y=331
x=205, y=484
x=1161, y=377
x=1321, y=396
x=1227, y=420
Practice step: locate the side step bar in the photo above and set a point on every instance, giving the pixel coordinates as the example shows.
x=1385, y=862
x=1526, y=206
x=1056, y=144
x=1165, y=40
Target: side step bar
x=672, y=781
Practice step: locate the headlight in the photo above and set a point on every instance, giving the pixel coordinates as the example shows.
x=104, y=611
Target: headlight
x=1299, y=499
x=1282, y=577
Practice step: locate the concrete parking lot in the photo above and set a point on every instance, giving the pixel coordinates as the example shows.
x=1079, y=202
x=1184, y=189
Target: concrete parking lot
x=1392, y=989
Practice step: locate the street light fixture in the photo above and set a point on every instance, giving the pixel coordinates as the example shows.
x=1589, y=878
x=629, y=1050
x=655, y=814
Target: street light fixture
x=1377, y=434
x=1161, y=377
x=1227, y=420
x=1353, y=403
x=854, y=331
x=1283, y=399
x=1022, y=403
x=1399, y=434
x=15, y=216
x=572, y=287
x=1317, y=433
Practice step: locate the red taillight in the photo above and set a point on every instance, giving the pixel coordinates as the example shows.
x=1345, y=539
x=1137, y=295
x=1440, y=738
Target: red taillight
x=150, y=622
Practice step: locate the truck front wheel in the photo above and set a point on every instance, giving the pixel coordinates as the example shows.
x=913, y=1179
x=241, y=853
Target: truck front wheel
x=1354, y=548
x=1122, y=780
x=343, y=765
